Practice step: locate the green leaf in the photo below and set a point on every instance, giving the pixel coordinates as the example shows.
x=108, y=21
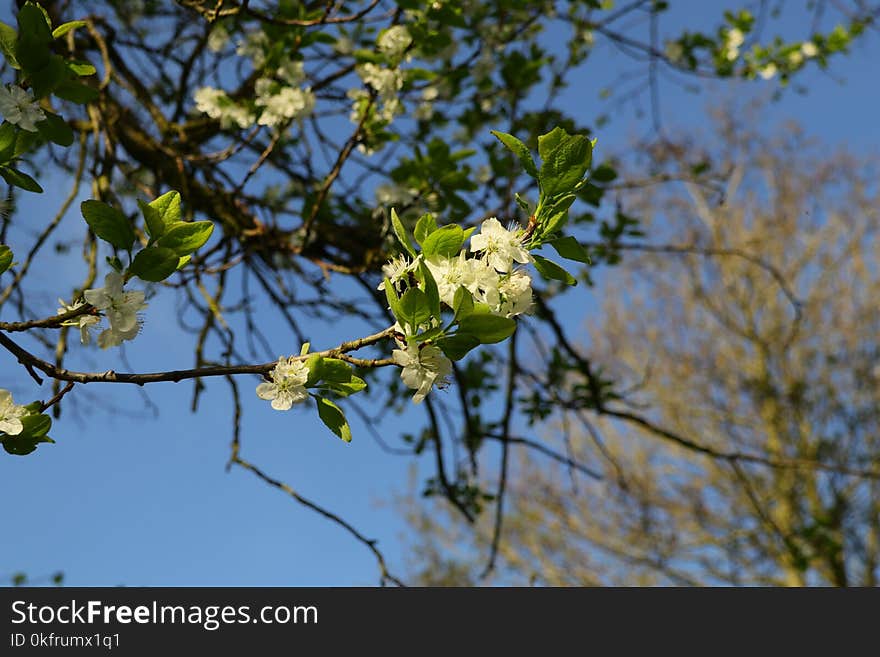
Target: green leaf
x=334, y=370
x=56, y=129
x=424, y=227
x=34, y=21
x=109, y=224
x=76, y=92
x=414, y=309
x=49, y=77
x=430, y=334
x=345, y=389
x=520, y=150
x=565, y=163
x=549, y=269
x=489, y=329
x=431, y=290
x=549, y=142
x=182, y=262
x=444, y=242
x=554, y=216
x=5, y=258
x=401, y=233
x=7, y=141
x=569, y=248
x=462, y=303
x=20, y=179
x=82, y=69
x=35, y=428
x=35, y=425
x=64, y=28
x=315, y=363
x=334, y=418
x=393, y=299
x=457, y=346
x=8, y=37
x=154, y=264
x=185, y=237
x=160, y=213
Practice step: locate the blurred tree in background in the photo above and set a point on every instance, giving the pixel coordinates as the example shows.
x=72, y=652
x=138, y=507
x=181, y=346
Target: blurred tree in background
x=759, y=337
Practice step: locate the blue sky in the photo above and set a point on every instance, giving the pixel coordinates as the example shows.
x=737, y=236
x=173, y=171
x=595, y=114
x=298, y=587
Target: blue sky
x=145, y=501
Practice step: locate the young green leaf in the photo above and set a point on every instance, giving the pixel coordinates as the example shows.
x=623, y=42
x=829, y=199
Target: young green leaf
x=569, y=248
x=424, y=227
x=431, y=290
x=334, y=418
x=56, y=129
x=336, y=371
x=8, y=37
x=185, y=237
x=154, y=264
x=457, y=346
x=315, y=363
x=20, y=179
x=489, y=329
x=444, y=242
x=462, y=303
x=161, y=213
x=414, y=308
x=64, y=28
x=345, y=389
x=393, y=299
x=565, y=165
x=520, y=150
x=108, y=223
x=76, y=92
x=549, y=269
x=400, y=232
x=5, y=258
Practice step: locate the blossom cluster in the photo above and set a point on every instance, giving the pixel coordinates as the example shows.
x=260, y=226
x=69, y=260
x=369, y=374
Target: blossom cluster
x=120, y=307
x=490, y=277
x=279, y=97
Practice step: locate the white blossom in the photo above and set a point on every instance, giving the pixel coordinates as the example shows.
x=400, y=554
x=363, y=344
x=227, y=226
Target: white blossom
x=84, y=322
x=287, y=386
x=394, y=194
x=10, y=414
x=674, y=51
x=453, y=273
x=282, y=104
x=254, y=47
x=809, y=49
x=120, y=307
x=216, y=104
x=513, y=296
x=398, y=269
x=291, y=71
x=394, y=41
x=499, y=245
x=795, y=58
x=424, y=366
x=767, y=71
x=19, y=107
x=386, y=81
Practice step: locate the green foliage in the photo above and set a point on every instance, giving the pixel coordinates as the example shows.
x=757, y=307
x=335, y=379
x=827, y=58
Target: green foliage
x=35, y=431
x=108, y=224
x=155, y=263
x=20, y=179
x=5, y=258
x=333, y=417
